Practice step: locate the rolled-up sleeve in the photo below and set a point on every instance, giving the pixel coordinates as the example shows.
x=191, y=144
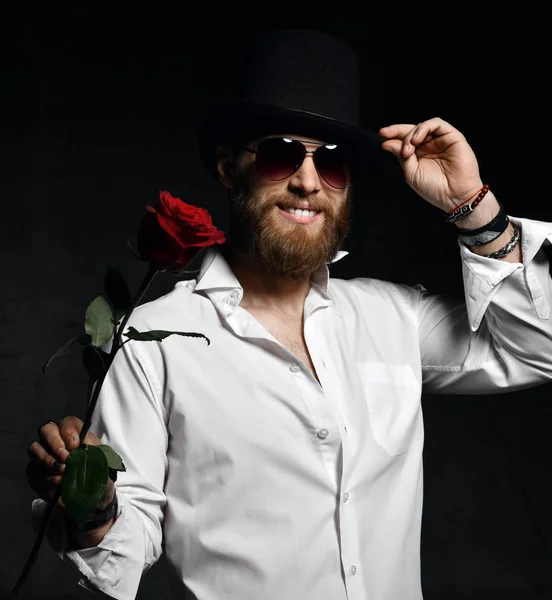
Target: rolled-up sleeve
x=129, y=417
x=499, y=337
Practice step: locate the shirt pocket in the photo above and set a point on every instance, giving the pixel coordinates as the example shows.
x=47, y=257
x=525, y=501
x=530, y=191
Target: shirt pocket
x=392, y=396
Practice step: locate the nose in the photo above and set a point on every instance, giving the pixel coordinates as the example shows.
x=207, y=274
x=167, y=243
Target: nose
x=305, y=180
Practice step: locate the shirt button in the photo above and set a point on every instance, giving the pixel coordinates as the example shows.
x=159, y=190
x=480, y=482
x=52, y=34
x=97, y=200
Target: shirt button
x=294, y=368
x=323, y=434
x=353, y=570
x=235, y=293
x=345, y=497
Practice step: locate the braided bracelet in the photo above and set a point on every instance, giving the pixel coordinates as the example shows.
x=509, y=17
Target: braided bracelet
x=509, y=246
x=464, y=209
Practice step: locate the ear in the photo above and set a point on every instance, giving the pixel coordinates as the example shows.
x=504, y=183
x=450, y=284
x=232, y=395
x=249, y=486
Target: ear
x=224, y=157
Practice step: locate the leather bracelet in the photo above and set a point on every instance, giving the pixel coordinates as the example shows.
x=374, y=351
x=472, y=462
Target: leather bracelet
x=514, y=241
x=486, y=234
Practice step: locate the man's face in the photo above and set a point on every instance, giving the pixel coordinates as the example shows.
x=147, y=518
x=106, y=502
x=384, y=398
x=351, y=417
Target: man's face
x=261, y=226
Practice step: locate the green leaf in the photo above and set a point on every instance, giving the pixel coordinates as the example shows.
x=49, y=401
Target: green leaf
x=99, y=322
x=96, y=362
x=135, y=252
x=114, y=461
x=116, y=291
x=81, y=339
x=158, y=335
x=84, y=481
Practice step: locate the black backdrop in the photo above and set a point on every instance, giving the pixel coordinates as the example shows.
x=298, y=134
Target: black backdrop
x=97, y=113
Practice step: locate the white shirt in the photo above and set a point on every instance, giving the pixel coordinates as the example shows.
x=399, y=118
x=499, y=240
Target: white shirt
x=262, y=483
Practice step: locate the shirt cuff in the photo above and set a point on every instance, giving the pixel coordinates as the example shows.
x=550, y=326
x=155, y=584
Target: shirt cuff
x=114, y=566
x=484, y=276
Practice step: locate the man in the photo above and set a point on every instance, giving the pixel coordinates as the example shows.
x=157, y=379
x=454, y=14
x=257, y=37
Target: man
x=285, y=459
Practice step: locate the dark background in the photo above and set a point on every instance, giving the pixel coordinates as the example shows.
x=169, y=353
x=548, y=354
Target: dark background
x=98, y=110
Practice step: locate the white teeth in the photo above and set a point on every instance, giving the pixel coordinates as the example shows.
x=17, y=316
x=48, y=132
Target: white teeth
x=301, y=213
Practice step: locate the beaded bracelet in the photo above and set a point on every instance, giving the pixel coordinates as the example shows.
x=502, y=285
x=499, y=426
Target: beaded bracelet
x=509, y=246
x=464, y=209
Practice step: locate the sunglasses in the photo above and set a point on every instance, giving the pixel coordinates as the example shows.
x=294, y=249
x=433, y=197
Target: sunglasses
x=278, y=158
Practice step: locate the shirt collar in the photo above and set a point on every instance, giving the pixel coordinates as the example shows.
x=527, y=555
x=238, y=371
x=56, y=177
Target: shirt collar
x=215, y=274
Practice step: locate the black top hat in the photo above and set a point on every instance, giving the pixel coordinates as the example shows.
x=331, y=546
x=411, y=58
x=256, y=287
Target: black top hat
x=295, y=81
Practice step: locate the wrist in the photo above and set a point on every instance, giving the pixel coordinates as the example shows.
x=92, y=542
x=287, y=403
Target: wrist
x=104, y=512
x=79, y=539
x=485, y=212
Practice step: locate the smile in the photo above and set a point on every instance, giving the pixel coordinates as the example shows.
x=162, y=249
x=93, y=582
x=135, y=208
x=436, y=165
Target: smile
x=301, y=216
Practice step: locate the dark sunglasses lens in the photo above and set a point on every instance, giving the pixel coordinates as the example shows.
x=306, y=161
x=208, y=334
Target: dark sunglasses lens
x=278, y=159
x=333, y=165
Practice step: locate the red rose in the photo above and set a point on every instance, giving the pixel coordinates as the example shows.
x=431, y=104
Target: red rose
x=173, y=232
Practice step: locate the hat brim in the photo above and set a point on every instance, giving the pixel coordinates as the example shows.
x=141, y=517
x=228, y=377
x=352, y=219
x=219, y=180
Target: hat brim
x=247, y=120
